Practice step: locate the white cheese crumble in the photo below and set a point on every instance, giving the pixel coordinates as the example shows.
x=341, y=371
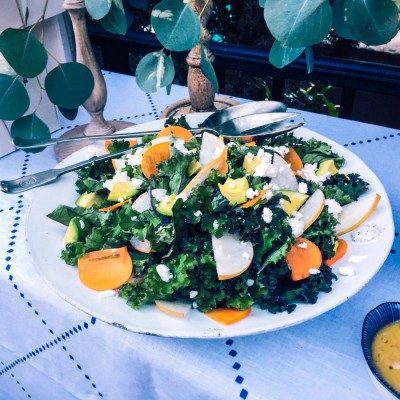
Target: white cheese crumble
x=195, y=305
x=243, y=243
x=346, y=271
x=281, y=150
x=265, y=169
x=180, y=146
x=165, y=199
x=334, y=207
x=250, y=282
x=303, y=245
x=313, y=271
x=121, y=199
x=198, y=213
x=303, y=188
x=309, y=173
x=251, y=193
x=164, y=272
x=106, y=293
x=296, y=224
x=215, y=224
x=136, y=158
x=267, y=215
x=118, y=177
x=193, y=294
x=182, y=196
x=136, y=183
x=82, y=224
x=246, y=256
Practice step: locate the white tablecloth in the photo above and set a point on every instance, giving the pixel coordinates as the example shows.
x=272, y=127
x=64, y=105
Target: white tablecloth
x=51, y=350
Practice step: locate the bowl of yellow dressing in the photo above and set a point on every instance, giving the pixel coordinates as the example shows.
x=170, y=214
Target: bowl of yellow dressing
x=380, y=342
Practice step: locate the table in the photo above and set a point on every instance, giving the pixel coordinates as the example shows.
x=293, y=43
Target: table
x=49, y=349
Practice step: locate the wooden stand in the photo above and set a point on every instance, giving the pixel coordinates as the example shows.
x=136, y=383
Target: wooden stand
x=201, y=92
x=96, y=102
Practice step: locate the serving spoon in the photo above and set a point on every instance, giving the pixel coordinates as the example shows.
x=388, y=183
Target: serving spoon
x=254, y=124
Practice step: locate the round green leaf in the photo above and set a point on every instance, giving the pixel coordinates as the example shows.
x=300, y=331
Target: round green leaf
x=69, y=113
x=298, y=23
x=342, y=27
x=280, y=56
x=31, y=128
x=115, y=20
x=26, y=55
x=14, y=98
x=208, y=69
x=98, y=8
x=154, y=71
x=176, y=25
x=372, y=22
x=69, y=85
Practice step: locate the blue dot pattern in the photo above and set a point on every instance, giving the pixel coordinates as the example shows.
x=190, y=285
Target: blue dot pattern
x=236, y=366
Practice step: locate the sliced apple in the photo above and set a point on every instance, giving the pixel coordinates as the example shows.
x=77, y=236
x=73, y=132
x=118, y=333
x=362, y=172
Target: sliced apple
x=201, y=176
x=312, y=208
x=354, y=214
x=176, y=308
x=285, y=178
x=210, y=149
x=141, y=204
x=231, y=255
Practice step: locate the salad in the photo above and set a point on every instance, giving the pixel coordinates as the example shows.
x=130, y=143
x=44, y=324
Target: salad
x=201, y=223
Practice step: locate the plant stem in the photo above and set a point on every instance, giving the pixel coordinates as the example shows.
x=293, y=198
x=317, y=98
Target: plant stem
x=40, y=95
x=54, y=58
x=41, y=18
x=205, y=6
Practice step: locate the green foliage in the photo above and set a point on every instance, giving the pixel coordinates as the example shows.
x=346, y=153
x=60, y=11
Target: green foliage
x=30, y=127
x=155, y=70
x=26, y=55
x=115, y=20
x=171, y=20
x=14, y=99
x=98, y=8
x=281, y=55
x=69, y=84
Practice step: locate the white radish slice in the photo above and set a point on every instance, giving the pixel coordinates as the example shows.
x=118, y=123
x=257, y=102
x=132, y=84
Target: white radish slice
x=211, y=148
x=176, y=308
x=312, y=208
x=354, y=214
x=231, y=255
x=285, y=178
x=141, y=204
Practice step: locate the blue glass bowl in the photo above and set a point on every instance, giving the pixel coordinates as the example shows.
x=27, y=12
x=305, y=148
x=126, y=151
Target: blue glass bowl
x=376, y=319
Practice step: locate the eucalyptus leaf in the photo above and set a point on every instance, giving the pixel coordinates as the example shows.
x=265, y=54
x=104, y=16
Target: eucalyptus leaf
x=176, y=25
x=310, y=59
x=208, y=69
x=280, y=56
x=26, y=55
x=298, y=23
x=98, y=9
x=342, y=27
x=31, y=128
x=14, y=98
x=261, y=3
x=372, y=22
x=168, y=89
x=69, y=85
x=69, y=113
x=154, y=71
x=115, y=20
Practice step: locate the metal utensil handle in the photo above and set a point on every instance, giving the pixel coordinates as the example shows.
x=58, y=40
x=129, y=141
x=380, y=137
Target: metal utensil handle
x=42, y=178
x=20, y=144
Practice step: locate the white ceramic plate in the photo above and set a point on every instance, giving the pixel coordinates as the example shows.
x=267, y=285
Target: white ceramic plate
x=45, y=238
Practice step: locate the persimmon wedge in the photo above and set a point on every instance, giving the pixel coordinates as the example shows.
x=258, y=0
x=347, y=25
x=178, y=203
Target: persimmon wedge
x=105, y=269
x=227, y=316
x=340, y=252
x=115, y=206
x=176, y=131
x=255, y=200
x=303, y=256
x=153, y=156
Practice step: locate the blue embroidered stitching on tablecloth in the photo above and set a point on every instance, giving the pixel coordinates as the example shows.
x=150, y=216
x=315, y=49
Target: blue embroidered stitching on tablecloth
x=236, y=366
x=371, y=140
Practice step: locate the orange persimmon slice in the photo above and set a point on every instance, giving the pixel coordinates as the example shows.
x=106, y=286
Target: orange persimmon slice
x=223, y=165
x=292, y=158
x=227, y=316
x=341, y=250
x=303, y=258
x=251, y=144
x=177, y=131
x=153, y=156
x=132, y=142
x=115, y=206
x=255, y=200
x=105, y=269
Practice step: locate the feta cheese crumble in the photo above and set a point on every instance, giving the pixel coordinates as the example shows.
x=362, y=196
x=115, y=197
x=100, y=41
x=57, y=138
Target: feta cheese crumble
x=136, y=183
x=250, y=282
x=103, y=294
x=180, y=146
x=296, y=224
x=215, y=224
x=303, y=188
x=251, y=193
x=313, y=271
x=118, y=177
x=193, y=294
x=334, y=207
x=346, y=271
x=198, y=213
x=309, y=173
x=303, y=245
x=267, y=215
x=164, y=272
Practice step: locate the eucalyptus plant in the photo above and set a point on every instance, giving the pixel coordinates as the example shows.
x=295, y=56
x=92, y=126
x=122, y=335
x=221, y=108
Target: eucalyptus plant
x=296, y=25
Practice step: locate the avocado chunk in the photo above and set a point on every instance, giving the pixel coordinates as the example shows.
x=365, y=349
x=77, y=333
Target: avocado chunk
x=235, y=190
x=297, y=199
x=327, y=166
x=122, y=191
x=165, y=207
x=77, y=229
x=193, y=168
x=87, y=200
